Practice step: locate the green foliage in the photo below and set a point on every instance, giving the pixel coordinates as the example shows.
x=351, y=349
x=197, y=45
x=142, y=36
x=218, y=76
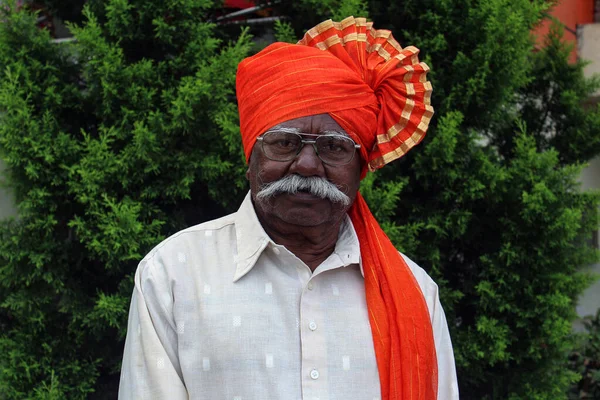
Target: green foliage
x=308, y=13
x=554, y=105
x=585, y=360
x=130, y=133
x=284, y=32
x=335, y=9
x=111, y=142
x=479, y=51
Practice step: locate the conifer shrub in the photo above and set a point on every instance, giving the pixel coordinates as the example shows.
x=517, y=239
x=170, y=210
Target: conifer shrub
x=111, y=142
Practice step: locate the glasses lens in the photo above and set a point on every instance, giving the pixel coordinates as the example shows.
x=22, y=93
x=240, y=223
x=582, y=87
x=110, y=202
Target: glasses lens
x=281, y=146
x=335, y=149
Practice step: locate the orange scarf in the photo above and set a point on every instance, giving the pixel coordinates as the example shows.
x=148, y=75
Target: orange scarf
x=377, y=91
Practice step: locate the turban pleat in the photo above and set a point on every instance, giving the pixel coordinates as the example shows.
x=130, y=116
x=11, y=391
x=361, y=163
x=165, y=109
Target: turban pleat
x=378, y=93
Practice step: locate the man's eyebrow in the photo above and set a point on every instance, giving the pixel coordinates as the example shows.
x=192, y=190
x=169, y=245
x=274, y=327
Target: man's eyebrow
x=298, y=131
x=285, y=129
x=341, y=133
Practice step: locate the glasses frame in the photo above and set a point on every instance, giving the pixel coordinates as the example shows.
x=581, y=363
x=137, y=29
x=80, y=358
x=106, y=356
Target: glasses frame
x=311, y=142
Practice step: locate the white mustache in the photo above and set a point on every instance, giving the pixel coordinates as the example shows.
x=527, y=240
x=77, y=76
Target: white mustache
x=315, y=185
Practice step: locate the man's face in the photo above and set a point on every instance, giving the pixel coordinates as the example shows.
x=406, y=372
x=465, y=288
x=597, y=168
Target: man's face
x=303, y=209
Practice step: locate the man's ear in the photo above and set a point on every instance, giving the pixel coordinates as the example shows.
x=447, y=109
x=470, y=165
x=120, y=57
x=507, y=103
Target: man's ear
x=248, y=169
x=249, y=164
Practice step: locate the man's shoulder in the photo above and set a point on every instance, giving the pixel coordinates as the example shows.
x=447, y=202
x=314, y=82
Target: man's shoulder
x=425, y=282
x=179, y=257
x=215, y=226
x=216, y=229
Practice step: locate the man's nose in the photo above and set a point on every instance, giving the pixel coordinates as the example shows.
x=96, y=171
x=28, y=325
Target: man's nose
x=307, y=162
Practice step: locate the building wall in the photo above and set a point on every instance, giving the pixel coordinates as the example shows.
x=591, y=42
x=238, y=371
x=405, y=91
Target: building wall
x=571, y=13
x=589, y=302
x=588, y=46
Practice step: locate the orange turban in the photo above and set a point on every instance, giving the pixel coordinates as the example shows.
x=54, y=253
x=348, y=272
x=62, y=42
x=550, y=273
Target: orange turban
x=377, y=91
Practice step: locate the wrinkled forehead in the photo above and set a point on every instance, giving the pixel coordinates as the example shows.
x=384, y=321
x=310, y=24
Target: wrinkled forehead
x=313, y=124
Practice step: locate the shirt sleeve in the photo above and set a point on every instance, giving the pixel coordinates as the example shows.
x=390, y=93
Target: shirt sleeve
x=150, y=368
x=447, y=382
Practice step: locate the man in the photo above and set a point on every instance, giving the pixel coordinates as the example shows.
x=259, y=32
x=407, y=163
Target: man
x=300, y=294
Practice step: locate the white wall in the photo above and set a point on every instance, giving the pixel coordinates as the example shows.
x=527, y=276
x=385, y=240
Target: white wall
x=589, y=301
x=588, y=48
x=588, y=43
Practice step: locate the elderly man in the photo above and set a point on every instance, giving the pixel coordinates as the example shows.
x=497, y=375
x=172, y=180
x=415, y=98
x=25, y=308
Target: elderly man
x=300, y=294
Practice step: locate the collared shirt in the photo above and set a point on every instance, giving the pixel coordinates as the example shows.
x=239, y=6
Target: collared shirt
x=220, y=311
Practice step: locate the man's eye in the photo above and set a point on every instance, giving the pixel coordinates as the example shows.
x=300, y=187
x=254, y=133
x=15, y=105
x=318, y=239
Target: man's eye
x=335, y=146
x=284, y=143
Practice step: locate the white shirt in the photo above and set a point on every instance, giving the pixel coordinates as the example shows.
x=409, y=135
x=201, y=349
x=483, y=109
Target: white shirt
x=219, y=311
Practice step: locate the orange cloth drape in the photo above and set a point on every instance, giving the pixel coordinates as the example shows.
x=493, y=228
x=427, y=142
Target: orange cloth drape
x=377, y=91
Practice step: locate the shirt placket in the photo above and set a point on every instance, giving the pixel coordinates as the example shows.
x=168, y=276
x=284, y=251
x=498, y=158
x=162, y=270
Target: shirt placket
x=313, y=342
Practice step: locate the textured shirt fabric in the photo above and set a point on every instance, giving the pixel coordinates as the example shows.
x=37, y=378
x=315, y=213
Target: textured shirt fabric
x=219, y=311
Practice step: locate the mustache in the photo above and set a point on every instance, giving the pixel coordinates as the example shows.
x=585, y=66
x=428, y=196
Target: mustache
x=315, y=185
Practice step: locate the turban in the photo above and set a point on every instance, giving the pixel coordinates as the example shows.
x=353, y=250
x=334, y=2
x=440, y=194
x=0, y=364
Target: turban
x=378, y=93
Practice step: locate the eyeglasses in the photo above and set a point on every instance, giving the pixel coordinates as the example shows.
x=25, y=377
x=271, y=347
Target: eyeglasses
x=330, y=148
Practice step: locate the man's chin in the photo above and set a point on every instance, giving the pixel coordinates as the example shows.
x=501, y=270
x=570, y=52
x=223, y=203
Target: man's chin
x=305, y=196
x=302, y=210
x=306, y=220
x=293, y=198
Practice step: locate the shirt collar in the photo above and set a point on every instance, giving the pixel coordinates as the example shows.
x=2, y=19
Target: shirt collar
x=347, y=246
x=252, y=239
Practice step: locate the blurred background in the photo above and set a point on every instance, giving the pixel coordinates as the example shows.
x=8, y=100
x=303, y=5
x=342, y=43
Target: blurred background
x=119, y=127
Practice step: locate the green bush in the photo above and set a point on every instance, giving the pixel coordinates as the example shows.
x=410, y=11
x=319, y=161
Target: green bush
x=585, y=360
x=130, y=133
x=112, y=142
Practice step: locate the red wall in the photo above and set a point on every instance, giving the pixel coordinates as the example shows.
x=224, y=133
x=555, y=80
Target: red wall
x=570, y=13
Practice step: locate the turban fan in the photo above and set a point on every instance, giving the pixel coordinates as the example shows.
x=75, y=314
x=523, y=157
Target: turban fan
x=378, y=93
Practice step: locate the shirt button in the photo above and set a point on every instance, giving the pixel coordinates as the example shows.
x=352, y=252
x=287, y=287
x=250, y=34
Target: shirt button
x=312, y=325
x=276, y=251
x=310, y=286
x=314, y=374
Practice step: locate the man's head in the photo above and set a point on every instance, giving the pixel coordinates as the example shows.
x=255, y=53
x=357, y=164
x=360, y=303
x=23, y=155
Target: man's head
x=346, y=78
x=292, y=184
x=373, y=88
